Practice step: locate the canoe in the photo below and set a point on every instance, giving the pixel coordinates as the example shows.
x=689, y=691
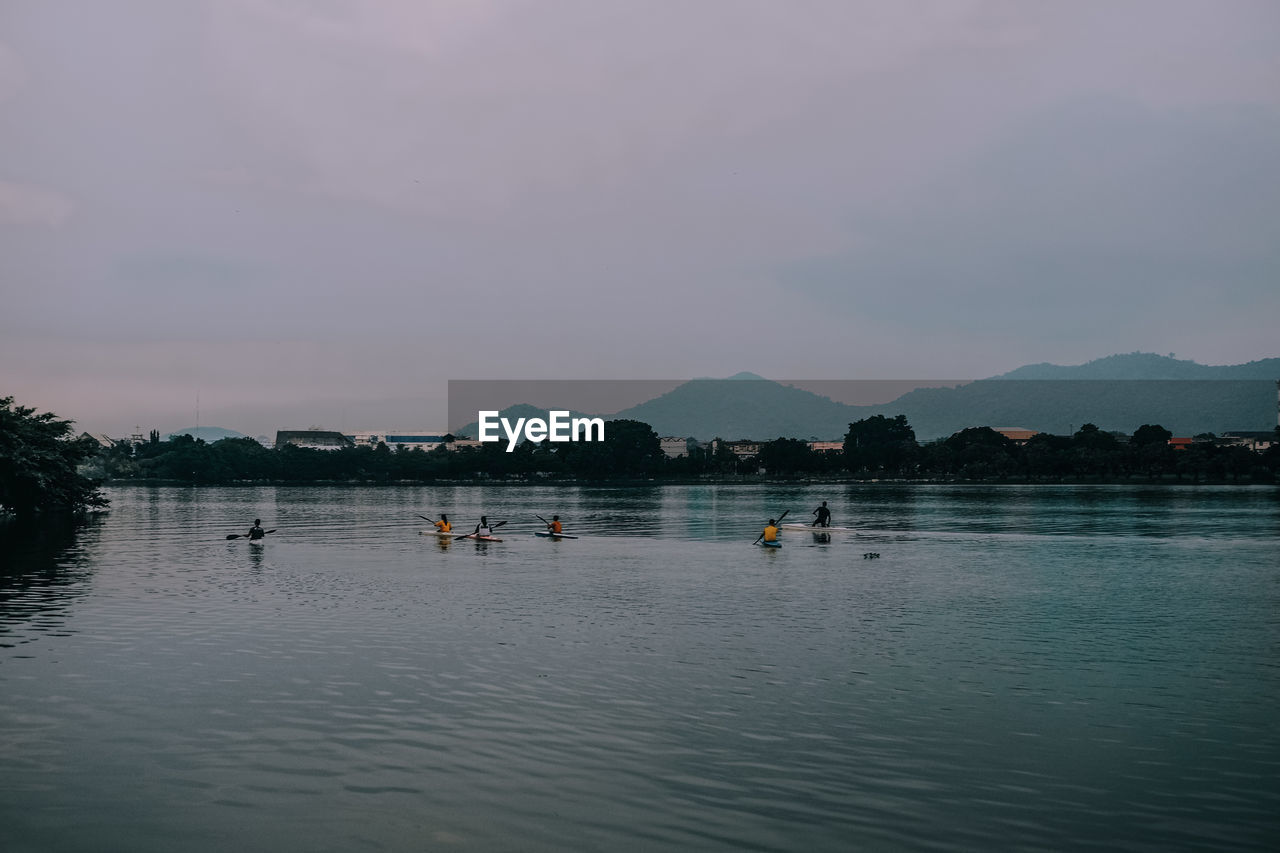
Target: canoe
x=546, y=534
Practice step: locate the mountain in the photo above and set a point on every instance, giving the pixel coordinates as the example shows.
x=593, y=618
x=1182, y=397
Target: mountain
x=209, y=433
x=1119, y=392
x=1147, y=365
x=1186, y=407
x=512, y=414
x=742, y=406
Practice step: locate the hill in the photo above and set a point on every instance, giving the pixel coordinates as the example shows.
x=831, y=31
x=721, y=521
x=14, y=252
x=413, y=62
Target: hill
x=209, y=433
x=1147, y=365
x=1119, y=392
x=512, y=414
x=742, y=407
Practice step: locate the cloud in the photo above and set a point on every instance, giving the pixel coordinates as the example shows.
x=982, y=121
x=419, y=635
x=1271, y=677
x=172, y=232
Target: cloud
x=24, y=204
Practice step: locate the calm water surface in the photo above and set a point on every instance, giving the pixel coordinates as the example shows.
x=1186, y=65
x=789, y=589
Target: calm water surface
x=1022, y=668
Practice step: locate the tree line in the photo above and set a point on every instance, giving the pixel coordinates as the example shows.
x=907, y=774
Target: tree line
x=44, y=469
x=875, y=447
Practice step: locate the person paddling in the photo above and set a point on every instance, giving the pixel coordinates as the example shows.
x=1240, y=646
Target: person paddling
x=443, y=525
x=554, y=525
x=256, y=532
x=823, y=516
x=482, y=529
x=770, y=532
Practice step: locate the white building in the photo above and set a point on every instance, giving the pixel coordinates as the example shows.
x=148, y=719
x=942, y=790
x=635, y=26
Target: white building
x=406, y=439
x=826, y=446
x=675, y=447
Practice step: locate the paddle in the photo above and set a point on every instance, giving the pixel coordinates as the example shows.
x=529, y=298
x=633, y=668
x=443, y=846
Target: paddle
x=433, y=522
x=246, y=535
x=551, y=533
x=491, y=527
x=776, y=523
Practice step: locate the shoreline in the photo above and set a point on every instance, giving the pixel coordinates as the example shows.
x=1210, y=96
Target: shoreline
x=742, y=480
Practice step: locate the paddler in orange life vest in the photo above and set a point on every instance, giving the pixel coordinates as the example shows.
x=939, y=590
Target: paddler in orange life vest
x=555, y=526
x=771, y=531
x=443, y=525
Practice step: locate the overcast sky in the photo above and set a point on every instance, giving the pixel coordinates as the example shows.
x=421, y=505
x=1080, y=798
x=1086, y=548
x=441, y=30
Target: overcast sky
x=316, y=213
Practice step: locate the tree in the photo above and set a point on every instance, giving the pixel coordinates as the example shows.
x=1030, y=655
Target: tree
x=784, y=456
x=878, y=443
x=630, y=449
x=1094, y=452
x=39, y=462
x=1152, y=453
x=1150, y=434
x=980, y=453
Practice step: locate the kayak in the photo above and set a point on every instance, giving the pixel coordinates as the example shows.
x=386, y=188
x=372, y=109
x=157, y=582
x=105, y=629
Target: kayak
x=811, y=528
x=546, y=534
x=453, y=534
x=769, y=544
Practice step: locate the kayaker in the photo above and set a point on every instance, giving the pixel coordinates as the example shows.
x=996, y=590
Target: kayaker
x=482, y=529
x=770, y=531
x=443, y=525
x=554, y=525
x=256, y=532
x=823, y=516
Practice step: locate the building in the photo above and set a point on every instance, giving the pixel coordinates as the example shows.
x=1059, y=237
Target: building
x=743, y=449
x=1254, y=440
x=676, y=447
x=314, y=439
x=403, y=440
x=103, y=440
x=826, y=446
x=1180, y=443
x=1018, y=435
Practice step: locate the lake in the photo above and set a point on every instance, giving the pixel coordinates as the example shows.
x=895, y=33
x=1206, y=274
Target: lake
x=1021, y=668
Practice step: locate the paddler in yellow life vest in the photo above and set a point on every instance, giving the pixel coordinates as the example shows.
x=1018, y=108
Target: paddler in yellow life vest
x=443, y=525
x=770, y=531
x=555, y=526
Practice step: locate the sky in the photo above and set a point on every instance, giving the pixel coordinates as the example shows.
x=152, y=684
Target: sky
x=276, y=214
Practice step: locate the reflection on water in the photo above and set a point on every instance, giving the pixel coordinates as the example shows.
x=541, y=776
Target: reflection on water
x=1025, y=667
x=44, y=567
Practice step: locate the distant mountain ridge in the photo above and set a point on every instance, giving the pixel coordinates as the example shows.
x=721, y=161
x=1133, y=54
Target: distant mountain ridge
x=1118, y=393
x=515, y=412
x=209, y=433
x=1147, y=365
